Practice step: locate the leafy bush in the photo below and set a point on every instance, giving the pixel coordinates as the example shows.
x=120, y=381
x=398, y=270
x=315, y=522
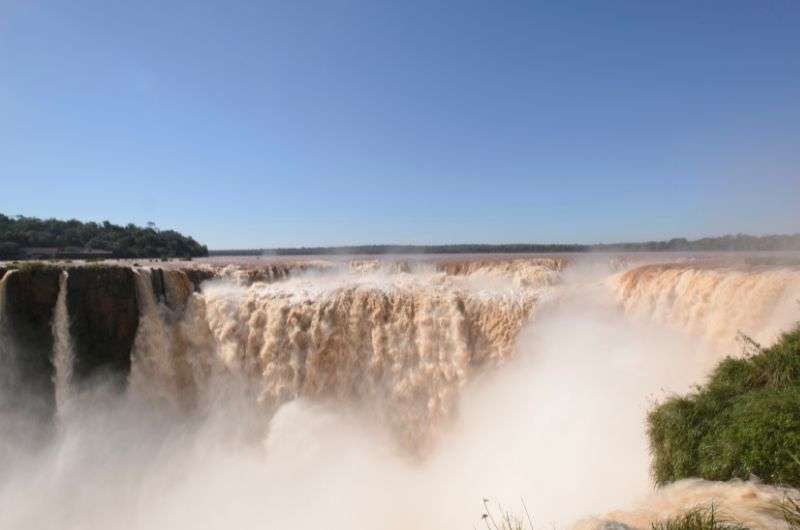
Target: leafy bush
x=744, y=421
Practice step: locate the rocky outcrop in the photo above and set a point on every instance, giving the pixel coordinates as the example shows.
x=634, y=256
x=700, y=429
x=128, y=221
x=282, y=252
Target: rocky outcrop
x=198, y=276
x=157, y=282
x=29, y=299
x=104, y=317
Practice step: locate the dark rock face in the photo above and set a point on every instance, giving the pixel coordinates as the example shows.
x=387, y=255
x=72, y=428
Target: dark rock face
x=104, y=317
x=198, y=276
x=31, y=295
x=103, y=309
x=157, y=281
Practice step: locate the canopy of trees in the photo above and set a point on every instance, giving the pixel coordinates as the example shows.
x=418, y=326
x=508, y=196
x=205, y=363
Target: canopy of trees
x=128, y=241
x=724, y=243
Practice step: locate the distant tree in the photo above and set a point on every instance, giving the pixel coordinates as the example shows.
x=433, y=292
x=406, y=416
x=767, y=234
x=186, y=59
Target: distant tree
x=130, y=241
x=723, y=243
x=9, y=250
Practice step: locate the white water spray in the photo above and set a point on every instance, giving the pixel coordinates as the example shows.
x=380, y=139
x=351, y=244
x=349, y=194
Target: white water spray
x=152, y=365
x=558, y=419
x=63, y=354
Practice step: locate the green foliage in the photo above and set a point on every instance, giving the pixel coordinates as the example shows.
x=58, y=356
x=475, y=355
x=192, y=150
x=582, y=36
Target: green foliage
x=697, y=519
x=744, y=421
x=124, y=242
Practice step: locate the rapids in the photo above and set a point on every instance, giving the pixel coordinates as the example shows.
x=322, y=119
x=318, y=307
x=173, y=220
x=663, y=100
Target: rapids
x=385, y=394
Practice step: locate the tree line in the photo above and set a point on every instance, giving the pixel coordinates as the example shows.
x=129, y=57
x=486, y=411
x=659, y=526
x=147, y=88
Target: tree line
x=739, y=242
x=130, y=241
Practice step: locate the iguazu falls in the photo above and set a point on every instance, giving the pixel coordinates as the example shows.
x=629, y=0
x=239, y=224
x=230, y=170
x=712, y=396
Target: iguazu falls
x=399, y=265
x=368, y=392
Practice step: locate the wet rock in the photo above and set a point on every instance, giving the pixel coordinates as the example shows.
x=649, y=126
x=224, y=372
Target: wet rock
x=104, y=317
x=30, y=298
x=198, y=276
x=157, y=281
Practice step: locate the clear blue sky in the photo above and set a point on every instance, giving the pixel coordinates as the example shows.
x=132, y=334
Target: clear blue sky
x=250, y=124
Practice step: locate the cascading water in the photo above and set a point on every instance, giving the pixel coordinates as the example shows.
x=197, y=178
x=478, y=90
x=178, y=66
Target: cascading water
x=402, y=345
x=714, y=303
x=63, y=354
x=502, y=377
x=400, y=341
x=172, y=347
x=153, y=371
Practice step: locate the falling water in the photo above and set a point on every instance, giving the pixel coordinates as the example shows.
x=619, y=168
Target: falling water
x=63, y=355
x=152, y=367
x=503, y=377
x=170, y=346
x=713, y=303
x=6, y=357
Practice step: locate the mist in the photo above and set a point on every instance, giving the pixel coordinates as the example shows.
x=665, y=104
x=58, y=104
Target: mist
x=560, y=424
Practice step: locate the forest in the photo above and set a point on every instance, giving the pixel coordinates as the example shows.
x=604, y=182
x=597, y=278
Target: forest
x=19, y=233
x=739, y=242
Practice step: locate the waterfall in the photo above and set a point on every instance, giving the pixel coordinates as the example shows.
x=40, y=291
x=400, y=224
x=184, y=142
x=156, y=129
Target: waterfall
x=713, y=303
x=173, y=345
x=63, y=354
x=152, y=369
x=398, y=345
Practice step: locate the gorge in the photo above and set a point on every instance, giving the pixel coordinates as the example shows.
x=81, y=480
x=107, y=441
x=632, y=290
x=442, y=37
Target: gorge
x=385, y=392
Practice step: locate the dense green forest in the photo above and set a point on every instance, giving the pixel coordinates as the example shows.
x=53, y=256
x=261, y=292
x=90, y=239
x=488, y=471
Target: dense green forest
x=737, y=242
x=744, y=421
x=20, y=233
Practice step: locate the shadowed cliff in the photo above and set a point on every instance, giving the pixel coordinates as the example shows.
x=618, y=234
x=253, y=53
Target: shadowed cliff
x=28, y=302
x=104, y=316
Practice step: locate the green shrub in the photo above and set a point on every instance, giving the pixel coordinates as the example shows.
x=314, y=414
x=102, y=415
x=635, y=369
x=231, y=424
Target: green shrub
x=755, y=435
x=744, y=421
x=697, y=519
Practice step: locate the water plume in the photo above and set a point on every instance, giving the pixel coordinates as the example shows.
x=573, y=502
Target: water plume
x=375, y=396
x=400, y=346
x=63, y=354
